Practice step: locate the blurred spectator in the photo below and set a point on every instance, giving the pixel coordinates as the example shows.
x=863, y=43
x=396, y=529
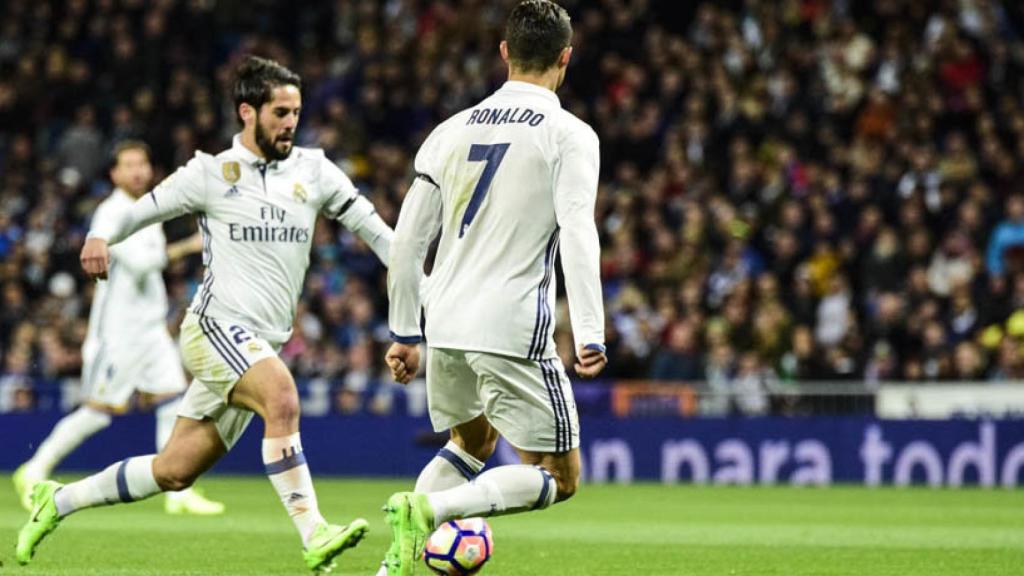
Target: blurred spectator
x=679, y=358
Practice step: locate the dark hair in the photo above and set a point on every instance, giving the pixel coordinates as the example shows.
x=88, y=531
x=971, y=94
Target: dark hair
x=124, y=146
x=256, y=79
x=537, y=31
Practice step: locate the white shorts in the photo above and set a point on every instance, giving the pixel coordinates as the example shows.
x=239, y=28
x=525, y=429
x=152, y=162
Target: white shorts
x=111, y=374
x=217, y=354
x=529, y=402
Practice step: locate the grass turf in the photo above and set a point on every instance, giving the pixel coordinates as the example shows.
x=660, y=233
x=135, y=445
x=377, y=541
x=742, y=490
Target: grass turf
x=642, y=529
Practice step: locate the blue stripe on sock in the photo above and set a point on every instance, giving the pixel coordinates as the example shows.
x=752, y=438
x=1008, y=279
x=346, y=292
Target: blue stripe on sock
x=122, y=483
x=459, y=464
x=542, y=501
x=285, y=464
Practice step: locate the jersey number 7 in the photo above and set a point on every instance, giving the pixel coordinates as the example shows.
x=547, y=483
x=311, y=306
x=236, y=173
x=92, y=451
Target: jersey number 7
x=493, y=155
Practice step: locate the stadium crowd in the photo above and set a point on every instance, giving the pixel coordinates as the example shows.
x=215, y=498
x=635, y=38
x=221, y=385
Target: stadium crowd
x=791, y=191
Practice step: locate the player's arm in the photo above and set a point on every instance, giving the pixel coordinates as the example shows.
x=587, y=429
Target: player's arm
x=575, y=197
x=183, y=248
x=354, y=211
x=418, y=224
x=180, y=193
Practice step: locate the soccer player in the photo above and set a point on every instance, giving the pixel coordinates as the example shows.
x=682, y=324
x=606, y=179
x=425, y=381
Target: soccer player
x=127, y=347
x=510, y=183
x=257, y=204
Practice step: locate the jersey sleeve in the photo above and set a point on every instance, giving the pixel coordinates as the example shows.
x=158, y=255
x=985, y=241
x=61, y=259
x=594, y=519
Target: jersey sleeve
x=343, y=203
x=134, y=253
x=418, y=224
x=427, y=164
x=180, y=193
x=576, y=177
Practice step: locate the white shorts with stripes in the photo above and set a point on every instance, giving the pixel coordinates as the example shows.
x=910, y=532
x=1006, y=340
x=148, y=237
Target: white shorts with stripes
x=529, y=402
x=113, y=370
x=217, y=353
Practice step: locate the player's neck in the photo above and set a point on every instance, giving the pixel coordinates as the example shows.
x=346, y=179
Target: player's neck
x=547, y=79
x=134, y=194
x=249, y=141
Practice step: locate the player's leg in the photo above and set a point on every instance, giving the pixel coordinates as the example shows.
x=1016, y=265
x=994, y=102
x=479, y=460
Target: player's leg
x=457, y=463
x=105, y=389
x=267, y=388
x=451, y=395
x=187, y=501
x=531, y=404
x=455, y=406
x=73, y=429
x=193, y=448
x=461, y=458
x=161, y=385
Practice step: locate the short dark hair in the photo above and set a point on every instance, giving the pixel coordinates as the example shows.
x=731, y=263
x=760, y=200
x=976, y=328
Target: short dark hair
x=124, y=146
x=537, y=31
x=256, y=79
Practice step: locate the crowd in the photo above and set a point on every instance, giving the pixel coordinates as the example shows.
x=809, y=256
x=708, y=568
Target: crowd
x=800, y=190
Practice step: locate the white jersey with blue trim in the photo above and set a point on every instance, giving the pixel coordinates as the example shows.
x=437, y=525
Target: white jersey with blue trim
x=511, y=183
x=129, y=310
x=257, y=220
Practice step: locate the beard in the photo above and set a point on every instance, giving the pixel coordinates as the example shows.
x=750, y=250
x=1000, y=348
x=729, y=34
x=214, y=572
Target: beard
x=272, y=149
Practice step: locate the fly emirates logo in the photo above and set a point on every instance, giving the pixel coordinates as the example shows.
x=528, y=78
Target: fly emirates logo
x=270, y=228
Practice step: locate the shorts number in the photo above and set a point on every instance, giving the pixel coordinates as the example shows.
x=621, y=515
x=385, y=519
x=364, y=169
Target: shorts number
x=239, y=334
x=493, y=155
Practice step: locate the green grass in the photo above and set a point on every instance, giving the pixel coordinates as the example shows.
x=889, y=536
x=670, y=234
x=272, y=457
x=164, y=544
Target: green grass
x=644, y=529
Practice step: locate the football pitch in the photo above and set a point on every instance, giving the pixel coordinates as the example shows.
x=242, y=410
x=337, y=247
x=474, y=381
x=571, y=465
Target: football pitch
x=616, y=530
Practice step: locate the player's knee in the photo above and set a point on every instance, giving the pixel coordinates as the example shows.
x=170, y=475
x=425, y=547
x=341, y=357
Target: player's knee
x=172, y=477
x=282, y=403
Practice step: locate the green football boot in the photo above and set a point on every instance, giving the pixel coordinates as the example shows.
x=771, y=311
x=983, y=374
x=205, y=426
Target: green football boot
x=23, y=486
x=330, y=540
x=412, y=520
x=43, y=520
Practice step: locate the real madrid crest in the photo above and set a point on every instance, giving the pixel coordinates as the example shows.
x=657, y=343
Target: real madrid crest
x=231, y=171
x=299, y=193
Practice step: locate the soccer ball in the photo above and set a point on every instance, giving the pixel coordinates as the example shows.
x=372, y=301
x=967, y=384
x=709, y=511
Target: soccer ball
x=459, y=547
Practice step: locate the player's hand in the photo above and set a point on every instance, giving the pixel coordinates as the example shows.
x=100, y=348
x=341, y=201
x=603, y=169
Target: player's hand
x=590, y=362
x=404, y=361
x=95, y=258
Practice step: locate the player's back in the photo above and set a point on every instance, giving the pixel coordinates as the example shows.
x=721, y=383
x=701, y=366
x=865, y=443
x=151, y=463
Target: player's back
x=492, y=286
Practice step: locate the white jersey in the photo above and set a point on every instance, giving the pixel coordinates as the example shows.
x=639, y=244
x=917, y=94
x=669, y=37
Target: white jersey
x=129, y=310
x=257, y=220
x=510, y=182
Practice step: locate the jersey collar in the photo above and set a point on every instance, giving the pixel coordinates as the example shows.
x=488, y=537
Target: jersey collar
x=250, y=158
x=518, y=86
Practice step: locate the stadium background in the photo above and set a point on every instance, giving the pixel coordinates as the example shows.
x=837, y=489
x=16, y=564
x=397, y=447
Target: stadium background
x=793, y=194
x=790, y=191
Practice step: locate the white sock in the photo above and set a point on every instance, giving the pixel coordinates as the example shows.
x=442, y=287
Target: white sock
x=67, y=435
x=166, y=415
x=451, y=467
x=503, y=490
x=286, y=467
x=126, y=481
